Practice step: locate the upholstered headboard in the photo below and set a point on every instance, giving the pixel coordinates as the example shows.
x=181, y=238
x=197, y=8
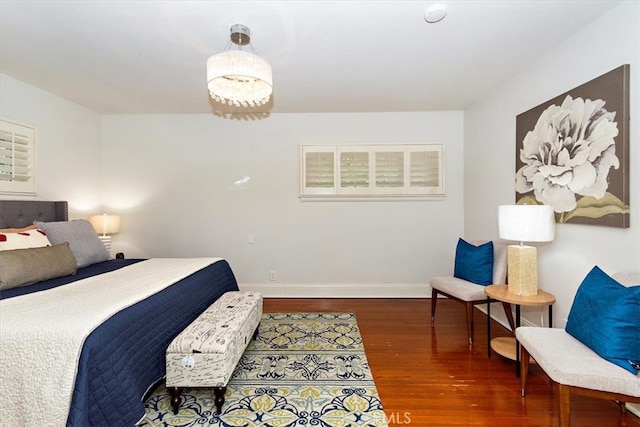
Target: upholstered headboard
x=20, y=213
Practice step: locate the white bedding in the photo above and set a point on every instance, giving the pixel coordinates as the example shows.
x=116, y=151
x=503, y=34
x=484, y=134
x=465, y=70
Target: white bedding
x=41, y=334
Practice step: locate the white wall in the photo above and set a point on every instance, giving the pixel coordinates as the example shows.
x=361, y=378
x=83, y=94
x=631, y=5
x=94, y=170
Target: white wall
x=490, y=146
x=172, y=178
x=67, y=144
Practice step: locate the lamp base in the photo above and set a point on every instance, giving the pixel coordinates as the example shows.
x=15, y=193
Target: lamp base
x=522, y=270
x=106, y=241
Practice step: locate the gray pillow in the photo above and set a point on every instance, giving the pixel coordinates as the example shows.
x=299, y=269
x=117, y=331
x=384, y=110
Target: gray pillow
x=22, y=267
x=82, y=238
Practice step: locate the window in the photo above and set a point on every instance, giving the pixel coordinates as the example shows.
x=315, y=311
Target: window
x=372, y=171
x=17, y=158
x=354, y=170
x=389, y=171
x=319, y=172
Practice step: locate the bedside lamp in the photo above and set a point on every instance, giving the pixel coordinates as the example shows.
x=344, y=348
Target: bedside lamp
x=524, y=223
x=105, y=224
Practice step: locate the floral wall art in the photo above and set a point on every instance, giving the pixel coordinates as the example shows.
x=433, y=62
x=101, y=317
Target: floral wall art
x=573, y=153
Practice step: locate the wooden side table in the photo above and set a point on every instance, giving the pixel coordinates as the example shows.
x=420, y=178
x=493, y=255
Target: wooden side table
x=508, y=346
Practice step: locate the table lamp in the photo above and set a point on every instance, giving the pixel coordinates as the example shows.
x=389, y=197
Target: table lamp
x=524, y=223
x=104, y=225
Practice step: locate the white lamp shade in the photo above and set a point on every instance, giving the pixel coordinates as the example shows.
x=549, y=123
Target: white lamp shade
x=526, y=223
x=105, y=224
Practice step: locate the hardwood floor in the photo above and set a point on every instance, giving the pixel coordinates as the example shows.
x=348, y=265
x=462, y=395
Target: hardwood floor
x=429, y=376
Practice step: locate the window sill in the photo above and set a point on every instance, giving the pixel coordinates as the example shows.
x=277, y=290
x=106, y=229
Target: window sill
x=368, y=198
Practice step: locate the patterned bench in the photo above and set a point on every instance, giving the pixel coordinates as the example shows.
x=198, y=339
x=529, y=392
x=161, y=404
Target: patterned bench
x=206, y=353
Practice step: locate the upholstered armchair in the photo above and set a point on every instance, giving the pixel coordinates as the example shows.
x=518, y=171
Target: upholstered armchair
x=469, y=260
x=598, y=352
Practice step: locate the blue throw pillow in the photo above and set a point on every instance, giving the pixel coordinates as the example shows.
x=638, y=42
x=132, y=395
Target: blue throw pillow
x=474, y=263
x=605, y=316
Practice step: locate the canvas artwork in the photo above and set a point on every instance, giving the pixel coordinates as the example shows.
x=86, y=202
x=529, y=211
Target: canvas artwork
x=572, y=152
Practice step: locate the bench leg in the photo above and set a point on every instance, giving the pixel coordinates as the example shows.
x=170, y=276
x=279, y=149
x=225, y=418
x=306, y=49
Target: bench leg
x=524, y=368
x=219, y=400
x=255, y=333
x=434, y=301
x=564, y=398
x=469, y=309
x=175, y=399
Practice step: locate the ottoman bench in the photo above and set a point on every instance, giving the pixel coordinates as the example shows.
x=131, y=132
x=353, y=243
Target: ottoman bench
x=206, y=353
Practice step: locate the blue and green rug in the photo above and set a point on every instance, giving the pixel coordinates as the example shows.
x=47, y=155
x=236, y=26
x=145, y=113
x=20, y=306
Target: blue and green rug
x=302, y=369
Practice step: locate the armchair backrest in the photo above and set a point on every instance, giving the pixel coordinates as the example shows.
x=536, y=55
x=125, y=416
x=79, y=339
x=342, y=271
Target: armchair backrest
x=628, y=278
x=499, y=263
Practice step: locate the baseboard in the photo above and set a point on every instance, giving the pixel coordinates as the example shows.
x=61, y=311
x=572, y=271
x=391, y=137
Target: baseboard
x=361, y=290
x=634, y=408
x=497, y=314
x=339, y=290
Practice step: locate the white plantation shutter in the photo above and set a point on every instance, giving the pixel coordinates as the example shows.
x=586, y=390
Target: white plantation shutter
x=319, y=171
x=372, y=171
x=389, y=171
x=17, y=154
x=425, y=171
x=355, y=175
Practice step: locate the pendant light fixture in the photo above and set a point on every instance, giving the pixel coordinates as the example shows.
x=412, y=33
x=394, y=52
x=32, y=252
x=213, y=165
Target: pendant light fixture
x=238, y=77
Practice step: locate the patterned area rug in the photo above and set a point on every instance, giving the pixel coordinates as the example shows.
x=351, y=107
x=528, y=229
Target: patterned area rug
x=302, y=369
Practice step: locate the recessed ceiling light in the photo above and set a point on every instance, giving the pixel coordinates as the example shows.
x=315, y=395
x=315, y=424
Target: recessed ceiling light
x=435, y=13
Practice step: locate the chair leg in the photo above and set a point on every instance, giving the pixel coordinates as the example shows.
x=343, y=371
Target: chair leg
x=564, y=397
x=509, y=314
x=524, y=368
x=434, y=300
x=470, y=321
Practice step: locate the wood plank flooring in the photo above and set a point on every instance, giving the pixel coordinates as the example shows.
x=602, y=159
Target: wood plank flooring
x=429, y=376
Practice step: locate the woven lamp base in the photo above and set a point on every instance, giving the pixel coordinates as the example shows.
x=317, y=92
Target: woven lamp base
x=522, y=270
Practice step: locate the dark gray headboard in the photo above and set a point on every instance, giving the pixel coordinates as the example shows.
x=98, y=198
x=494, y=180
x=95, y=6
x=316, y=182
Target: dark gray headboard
x=20, y=213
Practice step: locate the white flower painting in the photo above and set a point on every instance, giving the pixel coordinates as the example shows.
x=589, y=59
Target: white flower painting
x=567, y=158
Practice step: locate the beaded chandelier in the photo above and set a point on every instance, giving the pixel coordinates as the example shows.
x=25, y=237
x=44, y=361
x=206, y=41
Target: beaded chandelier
x=238, y=77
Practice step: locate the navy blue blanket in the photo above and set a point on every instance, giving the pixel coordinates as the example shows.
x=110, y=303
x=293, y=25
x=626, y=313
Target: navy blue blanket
x=125, y=355
x=82, y=273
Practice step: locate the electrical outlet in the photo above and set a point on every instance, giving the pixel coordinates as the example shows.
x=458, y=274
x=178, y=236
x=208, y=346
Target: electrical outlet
x=273, y=275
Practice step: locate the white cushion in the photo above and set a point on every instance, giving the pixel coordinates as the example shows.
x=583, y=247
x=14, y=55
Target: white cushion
x=567, y=361
x=459, y=288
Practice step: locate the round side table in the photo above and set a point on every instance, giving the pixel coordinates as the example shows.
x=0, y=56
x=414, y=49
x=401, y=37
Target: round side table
x=508, y=346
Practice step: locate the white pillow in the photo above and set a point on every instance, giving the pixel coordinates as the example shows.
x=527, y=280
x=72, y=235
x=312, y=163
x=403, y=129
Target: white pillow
x=34, y=238
x=83, y=240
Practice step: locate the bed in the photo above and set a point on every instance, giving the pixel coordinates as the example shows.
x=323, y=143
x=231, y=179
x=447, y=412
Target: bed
x=121, y=357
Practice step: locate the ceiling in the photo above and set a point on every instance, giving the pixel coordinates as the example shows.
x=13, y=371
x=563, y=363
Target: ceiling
x=129, y=57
